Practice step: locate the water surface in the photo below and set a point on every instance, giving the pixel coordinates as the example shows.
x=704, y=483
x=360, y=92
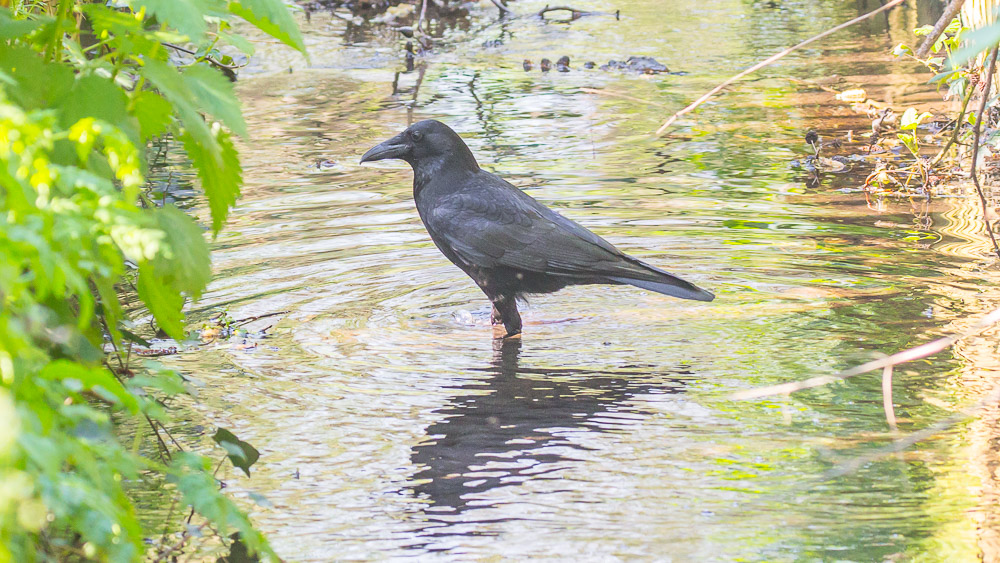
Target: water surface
x=392, y=425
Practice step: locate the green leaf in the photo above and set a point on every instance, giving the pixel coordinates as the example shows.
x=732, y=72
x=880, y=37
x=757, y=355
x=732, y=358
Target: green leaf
x=187, y=266
x=238, y=41
x=910, y=119
x=11, y=28
x=97, y=97
x=98, y=380
x=941, y=77
x=133, y=337
x=910, y=141
x=177, y=92
x=242, y=454
x=162, y=300
x=24, y=66
x=186, y=16
x=273, y=18
x=976, y=42
x=153, y=112
x=220, y=174
x=214, y=93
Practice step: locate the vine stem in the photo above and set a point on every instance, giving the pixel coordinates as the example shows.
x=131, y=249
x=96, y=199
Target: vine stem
x=975, y=147
x=52, y=49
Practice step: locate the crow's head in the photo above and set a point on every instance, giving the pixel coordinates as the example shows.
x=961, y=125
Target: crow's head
x=426, y=142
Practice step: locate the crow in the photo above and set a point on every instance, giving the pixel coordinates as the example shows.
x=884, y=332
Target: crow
x=505, y=240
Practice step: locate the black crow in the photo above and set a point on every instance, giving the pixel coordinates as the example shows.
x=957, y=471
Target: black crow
x=506, y=241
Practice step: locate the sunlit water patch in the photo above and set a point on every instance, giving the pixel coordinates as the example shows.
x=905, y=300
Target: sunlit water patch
x=392, y=425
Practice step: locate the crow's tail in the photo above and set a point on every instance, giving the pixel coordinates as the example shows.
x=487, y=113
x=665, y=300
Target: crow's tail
x=655, y=279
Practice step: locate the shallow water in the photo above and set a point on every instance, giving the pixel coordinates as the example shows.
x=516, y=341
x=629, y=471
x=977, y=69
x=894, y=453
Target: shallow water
x=392, y=425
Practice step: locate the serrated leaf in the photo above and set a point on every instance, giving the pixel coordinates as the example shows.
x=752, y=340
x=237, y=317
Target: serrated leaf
x=273, y=18
x=24, y=66
x=186, y=16
x=11, y=28
x=173, y=87
x=238, y=41
x=220, y=173
x=214, y=93
x=240, y=453
x=153, y=112
x=97, y=380
x=97, y=97
x=163, y=301
x=188, y=267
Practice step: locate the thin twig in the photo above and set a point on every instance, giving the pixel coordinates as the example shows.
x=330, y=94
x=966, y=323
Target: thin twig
x=915, y=353
x=890, y=413
x=503, y=9
x=257, y=318
x=769, y=60
x=975, y=146
x=575, y=14
x=423, y=14
x=943, y=21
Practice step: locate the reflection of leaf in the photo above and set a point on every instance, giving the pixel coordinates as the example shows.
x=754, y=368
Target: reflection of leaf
x=242, y=454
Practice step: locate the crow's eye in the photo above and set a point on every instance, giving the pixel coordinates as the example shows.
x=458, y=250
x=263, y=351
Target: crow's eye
x=416, y=136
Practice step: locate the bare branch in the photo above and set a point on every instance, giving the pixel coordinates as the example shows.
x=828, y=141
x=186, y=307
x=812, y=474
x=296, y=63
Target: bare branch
x=946, y=17
x=988, y=80
x=922, y=351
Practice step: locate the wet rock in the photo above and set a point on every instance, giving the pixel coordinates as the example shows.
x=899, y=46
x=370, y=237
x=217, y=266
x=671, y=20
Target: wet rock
x=527, y=65
x=590, y=64
x=643, y=65
x=546, y=65
x=562, y=65
x=813, y=164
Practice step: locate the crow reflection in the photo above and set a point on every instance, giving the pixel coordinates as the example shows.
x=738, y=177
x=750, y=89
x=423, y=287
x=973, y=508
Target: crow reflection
x=516, y=428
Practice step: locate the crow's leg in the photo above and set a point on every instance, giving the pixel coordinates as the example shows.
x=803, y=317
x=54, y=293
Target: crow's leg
x=505, y=311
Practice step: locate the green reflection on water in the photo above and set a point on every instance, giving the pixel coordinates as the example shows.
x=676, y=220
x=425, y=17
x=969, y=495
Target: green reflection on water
x=608, y=432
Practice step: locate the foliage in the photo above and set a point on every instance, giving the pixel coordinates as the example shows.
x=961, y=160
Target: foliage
x=83, y=88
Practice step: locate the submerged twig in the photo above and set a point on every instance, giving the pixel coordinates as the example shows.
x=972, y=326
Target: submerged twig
x=975, y=147
x=769, y=60
x=576, y=14
x=890, y=412
x=908, y=355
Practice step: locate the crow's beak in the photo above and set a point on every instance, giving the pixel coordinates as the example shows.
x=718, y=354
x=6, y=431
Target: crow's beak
x=395, y=147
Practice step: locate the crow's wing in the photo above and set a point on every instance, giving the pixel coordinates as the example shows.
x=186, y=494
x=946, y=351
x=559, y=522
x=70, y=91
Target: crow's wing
x=495, y=225
x=507, y=228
